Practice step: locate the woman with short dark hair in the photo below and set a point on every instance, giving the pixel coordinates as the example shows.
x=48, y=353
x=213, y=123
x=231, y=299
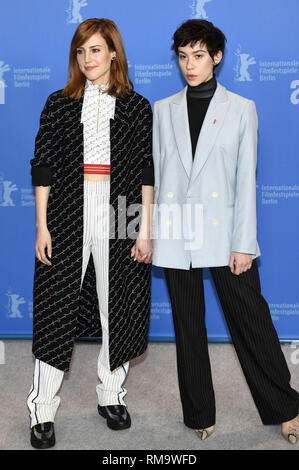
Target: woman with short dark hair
x=93, y=161
x=205, y=153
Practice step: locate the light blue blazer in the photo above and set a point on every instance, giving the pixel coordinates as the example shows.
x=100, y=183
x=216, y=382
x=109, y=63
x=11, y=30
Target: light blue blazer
x=206, y=208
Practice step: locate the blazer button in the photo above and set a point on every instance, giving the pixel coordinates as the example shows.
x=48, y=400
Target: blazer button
x=215, y=222
x=120, y=286
x=170, y=194
x=214, y=194
x=120, y=248
x=168, y=222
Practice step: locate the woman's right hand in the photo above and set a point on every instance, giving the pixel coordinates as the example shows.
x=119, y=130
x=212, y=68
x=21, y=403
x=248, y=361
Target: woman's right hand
x=43, y=241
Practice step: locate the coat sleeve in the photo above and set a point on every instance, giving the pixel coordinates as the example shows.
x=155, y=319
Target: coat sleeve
x=42, y=162
x=143, y=142
x=244, y=238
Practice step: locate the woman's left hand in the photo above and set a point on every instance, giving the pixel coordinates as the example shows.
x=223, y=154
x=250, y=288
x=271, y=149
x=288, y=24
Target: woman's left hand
x=142, y=251
x=240, y=262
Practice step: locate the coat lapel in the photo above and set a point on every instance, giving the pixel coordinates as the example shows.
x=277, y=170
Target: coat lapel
x=210, y=130
x=120, y=115
x=119, y=137
x=73, y=108
x=180, y=122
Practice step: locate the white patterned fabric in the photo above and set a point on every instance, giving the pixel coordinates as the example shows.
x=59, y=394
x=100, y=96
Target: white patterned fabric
x=43, y=400
x=96, y=243
x=97, y=110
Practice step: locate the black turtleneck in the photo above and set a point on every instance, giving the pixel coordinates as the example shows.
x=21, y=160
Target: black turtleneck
x=198, y=100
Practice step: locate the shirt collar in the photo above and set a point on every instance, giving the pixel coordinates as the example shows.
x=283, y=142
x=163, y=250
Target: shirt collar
x=90, y=86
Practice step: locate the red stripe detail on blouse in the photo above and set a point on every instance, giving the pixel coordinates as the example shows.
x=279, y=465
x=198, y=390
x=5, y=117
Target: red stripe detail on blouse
x=96, y=169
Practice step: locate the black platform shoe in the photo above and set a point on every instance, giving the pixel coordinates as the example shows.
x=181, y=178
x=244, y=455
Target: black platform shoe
x=43, y=435
x=116, y=415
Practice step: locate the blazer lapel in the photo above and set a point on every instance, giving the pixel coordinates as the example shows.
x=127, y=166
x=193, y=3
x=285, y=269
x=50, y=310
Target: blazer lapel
x=180, y=122
x=210, y=129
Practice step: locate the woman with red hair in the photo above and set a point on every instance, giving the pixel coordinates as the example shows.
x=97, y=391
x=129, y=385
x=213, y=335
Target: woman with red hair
x=93, y=171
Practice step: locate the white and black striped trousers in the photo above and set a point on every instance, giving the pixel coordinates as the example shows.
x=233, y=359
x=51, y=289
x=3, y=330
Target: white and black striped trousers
x=42, y=400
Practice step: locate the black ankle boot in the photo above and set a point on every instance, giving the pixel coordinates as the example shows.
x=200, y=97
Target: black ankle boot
x=116, y=415
x=43, y=435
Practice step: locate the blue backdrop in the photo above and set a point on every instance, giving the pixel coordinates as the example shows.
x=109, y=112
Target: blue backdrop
x=261, y=63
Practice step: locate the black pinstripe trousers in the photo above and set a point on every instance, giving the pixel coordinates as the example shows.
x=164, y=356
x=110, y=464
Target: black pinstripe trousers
x=252, y=332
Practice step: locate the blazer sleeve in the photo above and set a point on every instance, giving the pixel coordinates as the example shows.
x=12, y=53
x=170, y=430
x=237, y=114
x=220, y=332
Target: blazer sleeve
x=143, y=142
x=244, y=238
x=42, y=162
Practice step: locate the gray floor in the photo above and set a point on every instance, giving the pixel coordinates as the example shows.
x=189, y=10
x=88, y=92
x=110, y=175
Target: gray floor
x=152, y=399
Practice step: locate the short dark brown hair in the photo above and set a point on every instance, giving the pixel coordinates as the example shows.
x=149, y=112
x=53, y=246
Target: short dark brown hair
x=119, y=83
x=203, y=31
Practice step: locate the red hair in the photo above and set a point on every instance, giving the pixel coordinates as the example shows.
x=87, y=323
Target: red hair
x=119, y=83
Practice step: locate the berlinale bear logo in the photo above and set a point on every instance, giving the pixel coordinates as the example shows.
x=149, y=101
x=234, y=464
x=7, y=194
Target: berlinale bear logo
x=3, y=68
x=6, y=188
x=198, y=9
x=74, y=11
x=243, y=62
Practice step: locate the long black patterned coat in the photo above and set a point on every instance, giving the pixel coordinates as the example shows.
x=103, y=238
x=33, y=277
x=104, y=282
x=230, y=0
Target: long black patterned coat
x=61, y=312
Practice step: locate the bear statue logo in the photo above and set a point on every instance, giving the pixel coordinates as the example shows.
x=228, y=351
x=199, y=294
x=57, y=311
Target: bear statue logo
x=198, y=10
x=3, y=68
x=74, y=11
x=243, y=62
x=6, y=188
x=14, y=301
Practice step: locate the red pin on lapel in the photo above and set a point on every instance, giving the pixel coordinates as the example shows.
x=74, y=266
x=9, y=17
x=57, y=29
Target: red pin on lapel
x=214, y=122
